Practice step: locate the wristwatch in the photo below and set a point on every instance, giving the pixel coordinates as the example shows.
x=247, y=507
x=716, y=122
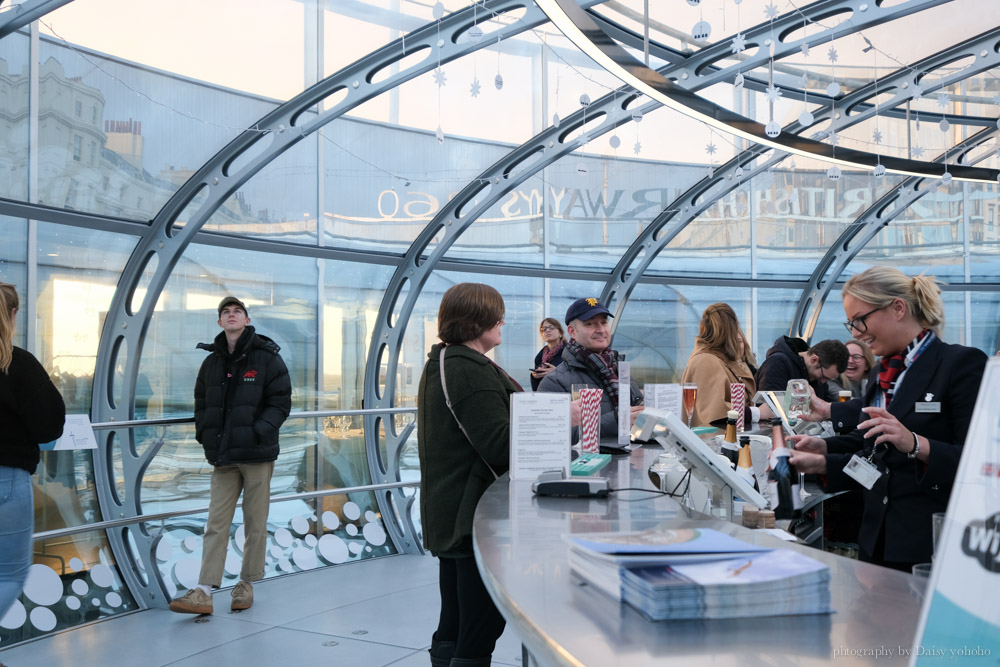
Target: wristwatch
x=916, y=448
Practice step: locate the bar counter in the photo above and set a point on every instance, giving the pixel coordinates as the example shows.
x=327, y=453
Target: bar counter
x=523, y=560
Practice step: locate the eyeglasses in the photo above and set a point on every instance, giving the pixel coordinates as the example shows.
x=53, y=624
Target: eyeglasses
x=548, y=327
x=858, y=323
x=857, y=357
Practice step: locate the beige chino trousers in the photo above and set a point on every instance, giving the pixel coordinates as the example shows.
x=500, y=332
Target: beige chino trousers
x=254, y=481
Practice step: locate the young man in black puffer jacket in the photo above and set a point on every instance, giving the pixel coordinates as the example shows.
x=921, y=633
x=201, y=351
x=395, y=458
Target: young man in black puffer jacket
x=242, y=396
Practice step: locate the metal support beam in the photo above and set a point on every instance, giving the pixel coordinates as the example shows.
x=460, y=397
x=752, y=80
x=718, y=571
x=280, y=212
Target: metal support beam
x=21, y=15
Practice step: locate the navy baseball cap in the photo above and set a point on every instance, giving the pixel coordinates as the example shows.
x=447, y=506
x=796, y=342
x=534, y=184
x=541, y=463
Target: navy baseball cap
x=584, y=309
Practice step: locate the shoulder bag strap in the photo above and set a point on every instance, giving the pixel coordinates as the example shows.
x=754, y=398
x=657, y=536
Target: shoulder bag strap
x=447, y=400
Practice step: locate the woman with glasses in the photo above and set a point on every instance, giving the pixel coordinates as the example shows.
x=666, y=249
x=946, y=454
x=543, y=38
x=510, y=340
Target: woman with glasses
x=916, y=415
x=31, y=412
x=859, y=364
x=721, y=357
x=550, y=355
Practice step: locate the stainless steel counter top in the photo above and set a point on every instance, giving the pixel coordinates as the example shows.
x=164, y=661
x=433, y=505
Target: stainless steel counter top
x=523, y=559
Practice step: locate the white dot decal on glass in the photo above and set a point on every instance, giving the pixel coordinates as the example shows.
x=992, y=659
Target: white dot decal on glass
x=300, y=525
x=352, y=511
x=73, y=602
x=330, y=520
x=285, y=565
x=374, y=534
x=190, y=544
x=43, y=619
x=305, y=559
x=354, y=547
x=80, y=587
x=351, y=529
x=368, y=550
x=102, y=576
x=113, y=599
x=332, y=549
x=16, y=615
x=164, y=551
x=275, y=552
x=232, y=564
x=371, y=516
x=186, y=572
x=311, y=541
x=283, y=538
x=76, y=564
x=95, y=602
x=239, y=539
x=43, y=585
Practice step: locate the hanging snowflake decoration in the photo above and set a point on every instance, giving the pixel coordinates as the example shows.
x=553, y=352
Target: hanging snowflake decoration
x=439, y=77
x=739, y=43
x=475, y=88
x=918, y=151
x=773, y=94
x=917, y=93
x=943, y=100
x=805, y=49
x=833, y=138
x=877, y=136
x=771, y=11
x=637, y=148
x=710, y=149
x=832, y=54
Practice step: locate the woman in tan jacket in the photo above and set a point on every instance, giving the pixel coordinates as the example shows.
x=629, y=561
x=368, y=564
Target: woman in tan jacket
x=721, y=357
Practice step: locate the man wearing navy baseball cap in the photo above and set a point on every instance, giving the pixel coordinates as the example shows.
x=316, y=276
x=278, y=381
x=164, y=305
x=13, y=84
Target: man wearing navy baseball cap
x=589, y=359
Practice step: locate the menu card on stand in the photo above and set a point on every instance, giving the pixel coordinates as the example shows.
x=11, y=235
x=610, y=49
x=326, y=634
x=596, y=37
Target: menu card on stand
x=664, y=397
x=539, y=434
x=624, y=402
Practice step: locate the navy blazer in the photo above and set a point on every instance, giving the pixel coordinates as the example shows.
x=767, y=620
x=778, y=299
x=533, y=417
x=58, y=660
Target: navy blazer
x=909, y=492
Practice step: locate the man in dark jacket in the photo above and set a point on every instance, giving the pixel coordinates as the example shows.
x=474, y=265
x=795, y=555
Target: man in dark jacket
x=241, y=398
x=792, y=359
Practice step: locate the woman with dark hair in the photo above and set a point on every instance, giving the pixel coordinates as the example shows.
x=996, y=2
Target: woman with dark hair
x=31, y=412
x=463, y=431
x=916, y=416
x=721, y=357
x=550, y=355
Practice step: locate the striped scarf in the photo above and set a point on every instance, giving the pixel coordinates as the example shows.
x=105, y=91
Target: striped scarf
x=894, y=365
x=604, y=365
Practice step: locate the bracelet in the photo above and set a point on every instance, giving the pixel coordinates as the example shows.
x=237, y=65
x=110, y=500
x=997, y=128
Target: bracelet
x=916, y=448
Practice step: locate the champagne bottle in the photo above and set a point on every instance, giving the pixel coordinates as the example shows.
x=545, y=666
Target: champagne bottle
x=782, y=477
x=744, y=467
x=729, y=448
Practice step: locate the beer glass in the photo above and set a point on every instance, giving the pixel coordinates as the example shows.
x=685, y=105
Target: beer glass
x=690, y=394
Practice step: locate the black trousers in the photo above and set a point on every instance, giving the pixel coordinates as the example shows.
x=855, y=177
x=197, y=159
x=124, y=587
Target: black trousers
x=468, y=616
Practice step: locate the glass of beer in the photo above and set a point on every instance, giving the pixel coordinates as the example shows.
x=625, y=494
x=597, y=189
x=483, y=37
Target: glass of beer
x=844, y=396
x=690, y=394
x=574, y=390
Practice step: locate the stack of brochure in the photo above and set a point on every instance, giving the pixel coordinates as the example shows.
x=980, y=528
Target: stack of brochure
x=697, y=573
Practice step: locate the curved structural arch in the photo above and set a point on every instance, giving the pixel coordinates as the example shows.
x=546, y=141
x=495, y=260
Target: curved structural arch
x=24, y=13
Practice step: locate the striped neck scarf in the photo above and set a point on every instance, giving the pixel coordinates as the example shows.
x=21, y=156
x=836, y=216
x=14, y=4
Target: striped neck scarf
x=896, y=364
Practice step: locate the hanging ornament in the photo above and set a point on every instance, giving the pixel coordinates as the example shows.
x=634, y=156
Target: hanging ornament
x=771, y=11
x=879, y=170
x=498, y=82
x=710, y=172
x=585, y=100
x=701, y=30
x=917, y=93
x=738, y=173
x=772, y=129
x=773, y=93
x=555, y=120
x=710, y=149
x=833, y=138
x=581, y=168
x=437, y=11
x=475, y=88
x=946, y=178
x=806, y=119
x=694, y=3
x=877, y=136
x=833, y=89
x=944, y=125
x=918, y=151
x=832, y=54
x=440, y=135
x=943, y=100
x=637, y=148
x=738, y=81
x=739, y=43
x=998, y=123
x=439, y=77
x=614, y=141
x=637, y=116
x=475, y=33
x=736, y=2
x=833, y=173
x=805, y=49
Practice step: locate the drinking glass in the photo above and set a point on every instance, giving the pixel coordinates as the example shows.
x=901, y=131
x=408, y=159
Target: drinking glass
x=690, y=394
x=575, y=390
x=937, y=523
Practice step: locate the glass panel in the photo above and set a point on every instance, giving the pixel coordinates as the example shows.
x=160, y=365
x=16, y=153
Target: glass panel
x=13, y=267
x=14, y=115
x=78, y=271
x=985, y=314
x=984, y=233
x=73, y=580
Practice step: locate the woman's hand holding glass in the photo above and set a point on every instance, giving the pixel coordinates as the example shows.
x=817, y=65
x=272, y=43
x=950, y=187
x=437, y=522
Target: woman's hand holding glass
x=819, y=410
x=808, y=443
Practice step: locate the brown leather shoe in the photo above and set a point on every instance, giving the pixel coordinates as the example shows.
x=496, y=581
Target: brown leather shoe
x=195, y=601
x=242, y=596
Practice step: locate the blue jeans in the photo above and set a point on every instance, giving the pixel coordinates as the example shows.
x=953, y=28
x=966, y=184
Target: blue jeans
x=17, y=521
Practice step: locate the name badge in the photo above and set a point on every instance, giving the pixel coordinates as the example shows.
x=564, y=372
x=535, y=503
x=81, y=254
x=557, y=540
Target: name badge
x=927, y=406
x=862, y=471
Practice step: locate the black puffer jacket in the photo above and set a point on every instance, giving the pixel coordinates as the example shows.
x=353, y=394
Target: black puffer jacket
x=783, y=363
x=241, y=400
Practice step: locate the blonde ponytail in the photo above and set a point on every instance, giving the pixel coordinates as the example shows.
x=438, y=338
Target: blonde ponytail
x=929, y=308
x=8, y=304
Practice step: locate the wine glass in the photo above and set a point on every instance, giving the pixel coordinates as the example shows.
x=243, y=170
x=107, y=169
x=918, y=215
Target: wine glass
x=690, y=394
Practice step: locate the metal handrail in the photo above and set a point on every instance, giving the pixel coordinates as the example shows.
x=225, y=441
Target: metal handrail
x=167, y=421
x=145, y=518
